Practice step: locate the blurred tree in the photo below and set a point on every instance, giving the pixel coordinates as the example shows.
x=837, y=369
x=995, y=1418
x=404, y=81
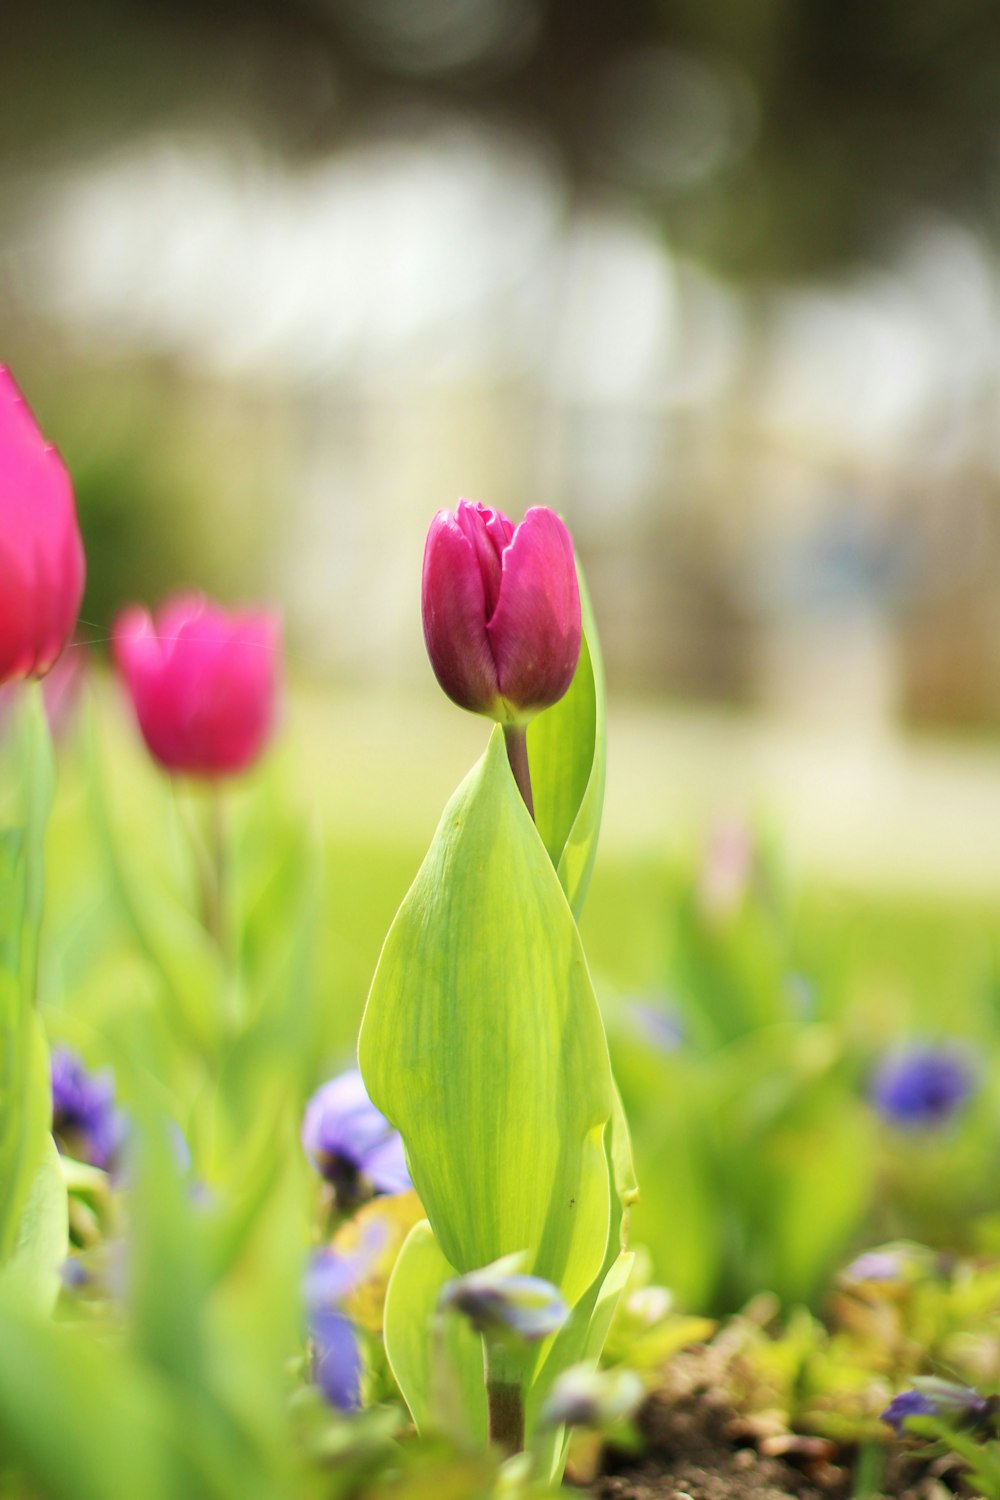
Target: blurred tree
x=777, y=138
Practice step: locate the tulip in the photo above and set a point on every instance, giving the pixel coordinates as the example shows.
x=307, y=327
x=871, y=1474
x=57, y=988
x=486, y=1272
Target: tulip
x=501, y=610
x=203, y=683
x=42, y=565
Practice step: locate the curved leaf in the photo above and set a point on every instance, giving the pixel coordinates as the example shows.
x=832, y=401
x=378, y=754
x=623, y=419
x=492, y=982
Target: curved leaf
x=483, y=1044
x=566, y=755
x=437, y=1361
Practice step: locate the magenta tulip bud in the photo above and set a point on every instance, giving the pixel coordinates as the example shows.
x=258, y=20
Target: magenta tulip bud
x=203, y=683
x=501, y=607
x=42, y=566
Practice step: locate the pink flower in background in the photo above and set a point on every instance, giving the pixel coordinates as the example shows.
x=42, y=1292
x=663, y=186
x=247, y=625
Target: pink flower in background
x=42, y=566
x=203, y=682
x=501, y=609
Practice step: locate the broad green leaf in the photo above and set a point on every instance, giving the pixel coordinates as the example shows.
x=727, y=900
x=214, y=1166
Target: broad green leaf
x=483, y=1044
x=566, y=756
x=437, y=1360
x=42, y=1237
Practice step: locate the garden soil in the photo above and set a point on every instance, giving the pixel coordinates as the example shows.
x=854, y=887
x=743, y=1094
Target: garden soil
x=697, y=1448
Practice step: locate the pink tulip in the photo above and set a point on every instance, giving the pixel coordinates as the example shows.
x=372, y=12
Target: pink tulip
x=501, y=608
x=203, y=683
x=42, y=565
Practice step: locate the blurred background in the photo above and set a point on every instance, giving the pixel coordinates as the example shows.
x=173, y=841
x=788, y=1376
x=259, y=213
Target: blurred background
x=717, y=281
x=720, y=282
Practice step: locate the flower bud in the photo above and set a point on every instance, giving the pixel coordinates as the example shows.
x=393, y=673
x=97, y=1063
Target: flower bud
x=499, y=1302
x=945, y=1400
x=501, y=610
x=203, y=683
x=583, y=1397
x=41, y=555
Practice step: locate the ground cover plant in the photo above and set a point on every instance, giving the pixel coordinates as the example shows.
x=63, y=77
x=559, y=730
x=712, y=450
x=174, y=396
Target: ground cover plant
x=713, y=1208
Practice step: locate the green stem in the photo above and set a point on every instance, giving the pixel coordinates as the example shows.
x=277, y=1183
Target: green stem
x=516, y=739
x=505, y=1414
x=504, y=1397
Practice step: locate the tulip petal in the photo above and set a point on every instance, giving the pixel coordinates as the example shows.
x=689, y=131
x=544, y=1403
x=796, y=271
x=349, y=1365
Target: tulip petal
x=203, y=683
x=535, y=629
x=454, y=615
x=42, y=564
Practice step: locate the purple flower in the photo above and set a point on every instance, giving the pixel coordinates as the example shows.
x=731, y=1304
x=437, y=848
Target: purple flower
x=919, y=1086
x=499, y=1301
x=351, y=1144
x=86, y=1122
x=501, y=609
x=336, y=1358
x=933, y=1397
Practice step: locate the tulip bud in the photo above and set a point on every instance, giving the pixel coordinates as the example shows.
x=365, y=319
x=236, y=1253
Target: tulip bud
x=501, y=610
x=203, y=683
x=41, y=555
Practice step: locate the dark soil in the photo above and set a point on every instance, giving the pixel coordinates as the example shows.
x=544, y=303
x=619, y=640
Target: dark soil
x=697, y=1448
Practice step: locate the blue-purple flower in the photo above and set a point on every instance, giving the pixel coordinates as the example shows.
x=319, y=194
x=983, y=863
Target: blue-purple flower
x=351, y=1144
x=932, y=1397
x=86, y=1122
x=920, y=1085
x=336, y=1357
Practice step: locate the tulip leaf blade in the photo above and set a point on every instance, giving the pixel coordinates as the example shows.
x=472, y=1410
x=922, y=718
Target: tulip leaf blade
x=483, y=1044
x=566, y=754
x=437, y=1359
x=32, y=1272
x=580, y=1342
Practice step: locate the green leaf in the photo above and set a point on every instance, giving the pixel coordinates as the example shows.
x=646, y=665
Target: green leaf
x=42, y=1242
x=483, y=1044
x=580, y=1342
x=25, y=1101
x=437, y=1360
x=566, y=756
x=25, y=1106
x=78, y=1420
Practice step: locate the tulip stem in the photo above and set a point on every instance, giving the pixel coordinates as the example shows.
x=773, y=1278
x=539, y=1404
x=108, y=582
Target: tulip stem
x=516, y=739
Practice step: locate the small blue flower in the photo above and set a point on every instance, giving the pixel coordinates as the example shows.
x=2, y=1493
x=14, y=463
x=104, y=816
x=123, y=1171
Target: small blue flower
x=919, y=1086
x=933, y=1397
x=86, y=1122
x=351, y=1144
x=499, y=1301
